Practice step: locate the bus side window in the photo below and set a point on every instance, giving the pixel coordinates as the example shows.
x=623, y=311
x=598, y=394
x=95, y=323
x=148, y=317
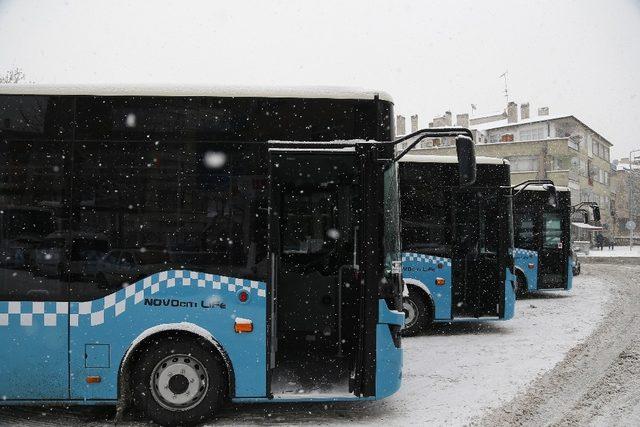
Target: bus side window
x=552, y=230
x=524, y=227
x=33, y=156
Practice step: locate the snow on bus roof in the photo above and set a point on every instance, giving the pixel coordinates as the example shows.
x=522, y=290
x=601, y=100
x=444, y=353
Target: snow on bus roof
x=319, y=92
x=428, y=158
x=541, y=188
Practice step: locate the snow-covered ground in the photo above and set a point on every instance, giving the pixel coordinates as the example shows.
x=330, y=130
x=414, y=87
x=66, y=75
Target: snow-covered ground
x=616, y=252
x=455, y=373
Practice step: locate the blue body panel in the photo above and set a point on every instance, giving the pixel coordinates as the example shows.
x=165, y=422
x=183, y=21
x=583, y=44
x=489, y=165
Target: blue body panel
x=509, y=295
x=33, y=353
x=108, y=326
x=56, y=345
x=422, y=270
x=388, y=356
x=522, y=259
x=569, y=273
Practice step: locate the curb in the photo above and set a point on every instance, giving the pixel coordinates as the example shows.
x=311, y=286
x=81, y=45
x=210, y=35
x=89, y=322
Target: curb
x=609, y=260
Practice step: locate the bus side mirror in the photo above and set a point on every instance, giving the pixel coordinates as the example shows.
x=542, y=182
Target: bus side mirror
x=596, y=213
x=466, y=160
x=553, y=195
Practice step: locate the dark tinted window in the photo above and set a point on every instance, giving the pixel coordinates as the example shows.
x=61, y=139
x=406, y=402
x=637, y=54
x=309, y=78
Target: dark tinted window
x=172, y=204
x=32, y=210
x=229, y=119
x=524, y=229
x=552, y=230
x=28, y=116
x=426, y=219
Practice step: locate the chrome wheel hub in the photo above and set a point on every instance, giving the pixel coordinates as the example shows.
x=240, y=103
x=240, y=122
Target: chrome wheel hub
x=410, y=312
x=179, y=382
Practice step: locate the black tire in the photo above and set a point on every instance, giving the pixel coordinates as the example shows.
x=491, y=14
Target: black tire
x=150, y=370
x=417, y=313
x=521, y=285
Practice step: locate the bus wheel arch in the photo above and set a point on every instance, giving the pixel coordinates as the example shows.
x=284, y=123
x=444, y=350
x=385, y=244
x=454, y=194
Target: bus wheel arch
x=418, y=298
x=188, y=331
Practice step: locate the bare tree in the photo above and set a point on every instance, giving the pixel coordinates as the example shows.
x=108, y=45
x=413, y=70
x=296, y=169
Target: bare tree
x=12, y=76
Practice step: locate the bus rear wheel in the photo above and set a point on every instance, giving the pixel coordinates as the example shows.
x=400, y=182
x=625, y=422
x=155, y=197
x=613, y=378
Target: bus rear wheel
x=416, y=313
x=178, y=382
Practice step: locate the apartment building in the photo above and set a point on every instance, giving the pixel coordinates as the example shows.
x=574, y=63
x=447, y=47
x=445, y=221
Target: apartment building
x=557, y=147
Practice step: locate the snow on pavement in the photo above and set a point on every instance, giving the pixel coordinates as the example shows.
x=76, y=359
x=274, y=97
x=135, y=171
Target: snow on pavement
x=616, y=252
x=458, y=371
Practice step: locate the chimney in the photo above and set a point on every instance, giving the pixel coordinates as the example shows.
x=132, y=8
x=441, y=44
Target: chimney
x=400, y=125
x=543, y=111
x=512, y=112
x=524, y=111
x=462, y=120
x=414, y=123
x=447, y=118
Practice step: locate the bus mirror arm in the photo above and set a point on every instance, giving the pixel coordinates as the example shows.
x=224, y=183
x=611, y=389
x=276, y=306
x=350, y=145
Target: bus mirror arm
x=465, y=148
x=595, y=209
x=547, y=184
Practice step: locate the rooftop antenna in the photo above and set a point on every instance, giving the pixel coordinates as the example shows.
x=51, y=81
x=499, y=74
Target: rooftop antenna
x=506, y=89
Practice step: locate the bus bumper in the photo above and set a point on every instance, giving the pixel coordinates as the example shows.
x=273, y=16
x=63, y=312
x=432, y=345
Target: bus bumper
x=569, y=273
x=388, y=356
x=509, y=295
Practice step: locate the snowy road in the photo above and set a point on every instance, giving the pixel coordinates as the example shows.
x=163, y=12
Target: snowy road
x=599, y=381
x=457, y=373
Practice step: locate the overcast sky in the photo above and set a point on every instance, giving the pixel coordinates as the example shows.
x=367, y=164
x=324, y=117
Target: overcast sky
x=577, y=57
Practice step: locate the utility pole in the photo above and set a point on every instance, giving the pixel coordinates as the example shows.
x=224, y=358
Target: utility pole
x=506, y=89
x=631, y=225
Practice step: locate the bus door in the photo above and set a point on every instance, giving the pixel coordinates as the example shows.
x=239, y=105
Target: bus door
x=476, y=272
x=553, y=251
x=319, y=311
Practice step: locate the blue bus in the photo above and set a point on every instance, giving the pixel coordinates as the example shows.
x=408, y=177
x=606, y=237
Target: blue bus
x=542, y=238
x=456, y=242
x=206, y=245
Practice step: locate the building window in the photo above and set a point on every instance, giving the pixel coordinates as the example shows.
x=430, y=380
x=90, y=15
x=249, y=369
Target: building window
x=506, y=137
x=524, y=163
x=560, y=163
x=574, y=142
x=532, y=134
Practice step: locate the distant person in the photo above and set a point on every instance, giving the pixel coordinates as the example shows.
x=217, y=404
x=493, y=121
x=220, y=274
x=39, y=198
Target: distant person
x=599, y=241
x=611, y=242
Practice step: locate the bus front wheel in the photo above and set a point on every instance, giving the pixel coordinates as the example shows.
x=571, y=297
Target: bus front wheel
x=416, y=313
x=178, y=381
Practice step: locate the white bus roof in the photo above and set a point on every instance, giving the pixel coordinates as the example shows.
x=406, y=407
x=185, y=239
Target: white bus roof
x=319, y=92
x=427, y=158
x=540, y=188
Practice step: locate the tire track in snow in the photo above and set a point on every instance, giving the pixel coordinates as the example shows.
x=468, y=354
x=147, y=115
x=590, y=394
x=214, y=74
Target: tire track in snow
x=599, y=380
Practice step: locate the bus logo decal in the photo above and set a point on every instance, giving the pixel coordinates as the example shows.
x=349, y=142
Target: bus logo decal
x=413, y=257
x=46, y=312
